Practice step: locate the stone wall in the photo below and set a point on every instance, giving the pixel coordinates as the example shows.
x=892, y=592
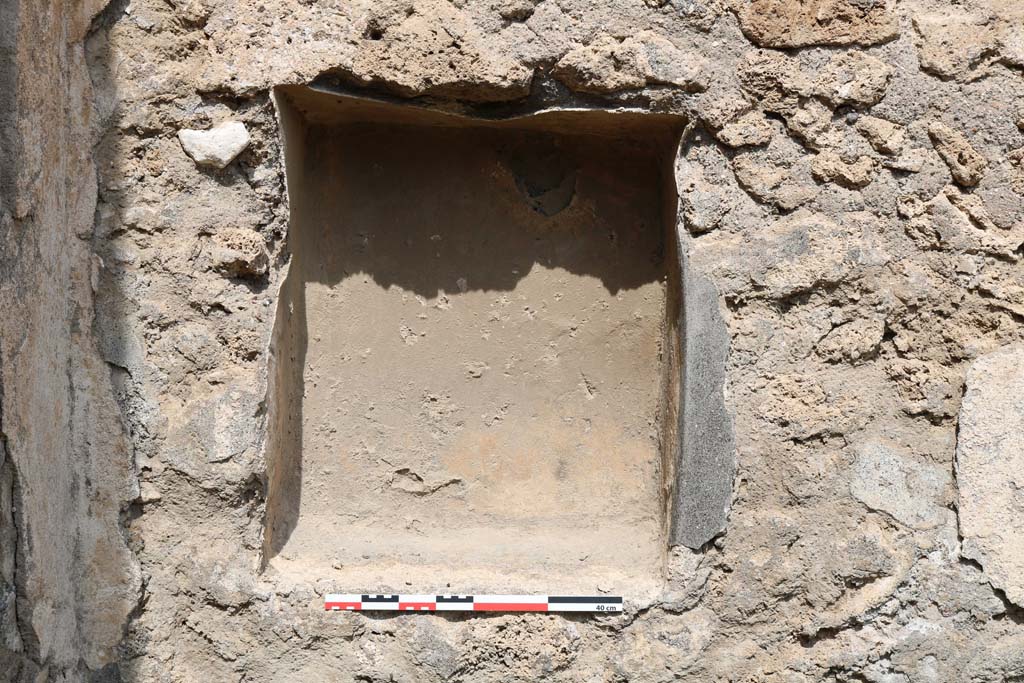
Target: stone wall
x=67, y=578
x=851, y=192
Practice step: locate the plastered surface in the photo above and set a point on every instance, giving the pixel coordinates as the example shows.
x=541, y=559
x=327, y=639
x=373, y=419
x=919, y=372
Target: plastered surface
x=480, y=316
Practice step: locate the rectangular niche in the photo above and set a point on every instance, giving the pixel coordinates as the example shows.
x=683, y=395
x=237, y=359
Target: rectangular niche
x=473, y=351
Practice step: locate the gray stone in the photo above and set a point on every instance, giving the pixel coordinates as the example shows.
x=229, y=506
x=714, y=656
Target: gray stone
x=217, y=147
x=990, y=469
x=706, y=459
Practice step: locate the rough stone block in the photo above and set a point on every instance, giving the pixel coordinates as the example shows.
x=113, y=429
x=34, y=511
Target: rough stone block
x=784, y=23
x=889, y=481
x=706, y=463
x=990, y=469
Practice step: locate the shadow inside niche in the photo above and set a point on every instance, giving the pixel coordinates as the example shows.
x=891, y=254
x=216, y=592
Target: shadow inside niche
x=413, y=228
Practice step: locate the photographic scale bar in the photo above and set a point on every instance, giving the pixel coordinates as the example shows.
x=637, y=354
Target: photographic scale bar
x=602, y=604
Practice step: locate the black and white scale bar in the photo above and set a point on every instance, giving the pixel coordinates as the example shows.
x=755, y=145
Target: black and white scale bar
x=603, y=604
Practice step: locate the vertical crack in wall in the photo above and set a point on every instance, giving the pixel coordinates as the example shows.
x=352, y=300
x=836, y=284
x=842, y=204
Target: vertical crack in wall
x=10, y=638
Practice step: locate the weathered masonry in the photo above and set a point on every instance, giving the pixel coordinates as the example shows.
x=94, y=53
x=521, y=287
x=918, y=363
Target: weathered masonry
x=488, y=356
x=533, y=257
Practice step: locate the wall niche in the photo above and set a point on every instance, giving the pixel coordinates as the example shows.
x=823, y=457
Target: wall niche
x=475, y=358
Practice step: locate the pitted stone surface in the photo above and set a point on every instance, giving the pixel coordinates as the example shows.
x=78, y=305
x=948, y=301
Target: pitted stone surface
x=787, y=24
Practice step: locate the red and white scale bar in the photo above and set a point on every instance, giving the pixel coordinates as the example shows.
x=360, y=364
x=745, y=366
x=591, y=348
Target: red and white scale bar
x=336, y=602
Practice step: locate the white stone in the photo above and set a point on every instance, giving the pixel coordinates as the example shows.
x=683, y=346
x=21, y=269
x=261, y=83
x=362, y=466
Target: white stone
x=990, y=469
x=892, y=482
x=217, y=147
x=149, y=493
